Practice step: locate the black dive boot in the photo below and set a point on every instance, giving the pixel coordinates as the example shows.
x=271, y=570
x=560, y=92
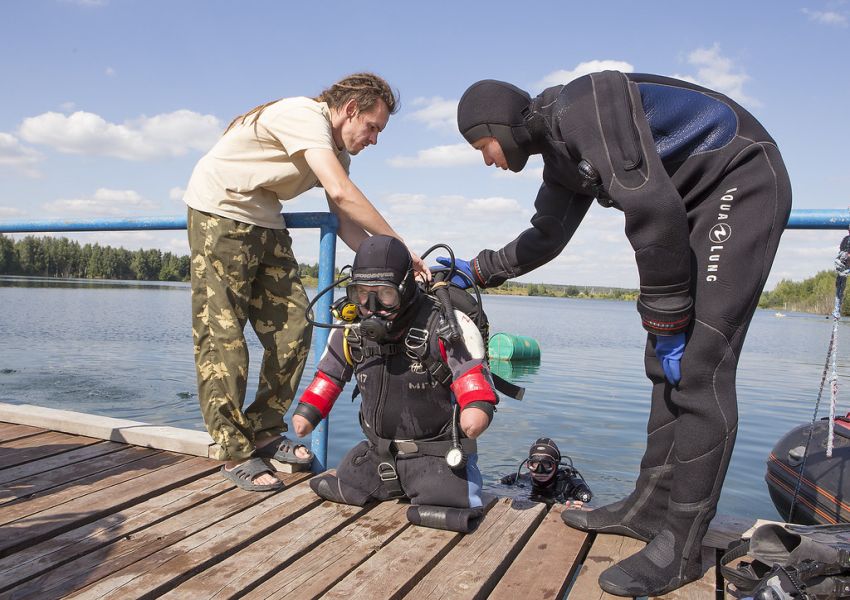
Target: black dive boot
x=640, y=515
x=672, y=559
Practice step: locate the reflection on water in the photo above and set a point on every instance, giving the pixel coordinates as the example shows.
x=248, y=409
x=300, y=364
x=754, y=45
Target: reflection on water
x=125, y=350
x=515, y=372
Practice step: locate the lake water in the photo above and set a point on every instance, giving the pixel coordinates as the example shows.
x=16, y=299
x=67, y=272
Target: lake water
x=125, y=350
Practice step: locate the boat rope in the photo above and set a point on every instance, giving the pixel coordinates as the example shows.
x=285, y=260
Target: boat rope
x=842, y=268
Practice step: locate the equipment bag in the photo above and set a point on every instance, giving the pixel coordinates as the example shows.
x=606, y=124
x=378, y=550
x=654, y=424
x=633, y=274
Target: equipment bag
x=806, y=562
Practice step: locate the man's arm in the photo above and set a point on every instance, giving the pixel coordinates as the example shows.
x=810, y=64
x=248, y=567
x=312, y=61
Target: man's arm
x=558, y=214
x=348, y=203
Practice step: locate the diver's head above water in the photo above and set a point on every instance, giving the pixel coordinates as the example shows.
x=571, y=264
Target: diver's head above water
x=543, y=460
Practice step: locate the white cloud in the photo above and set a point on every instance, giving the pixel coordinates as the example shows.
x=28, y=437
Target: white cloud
x=8, y=212
x=826, y=17
x=160, y=136
x=436, y=113
x=110, y=72
x=176, y=193
x=68, y=106
x=103, y=202
x=717, y=72
x=15, y=155
x=439, y=156
x=592, y=66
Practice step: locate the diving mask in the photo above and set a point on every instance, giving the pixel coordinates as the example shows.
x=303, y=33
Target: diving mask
x=375, y=298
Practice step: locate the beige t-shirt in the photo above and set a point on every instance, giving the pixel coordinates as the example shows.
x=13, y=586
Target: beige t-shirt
x=247, y=174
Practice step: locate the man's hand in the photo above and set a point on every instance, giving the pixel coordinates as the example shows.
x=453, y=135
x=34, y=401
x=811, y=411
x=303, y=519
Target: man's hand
x=420, y=269
x=473, y=421
x=301, y=425
x=669, y=350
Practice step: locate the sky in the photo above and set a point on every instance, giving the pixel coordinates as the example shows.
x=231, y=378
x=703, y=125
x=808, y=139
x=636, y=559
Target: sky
x=108, y=104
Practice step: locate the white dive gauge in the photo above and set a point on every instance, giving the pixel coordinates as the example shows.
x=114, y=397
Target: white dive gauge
x=455, y=457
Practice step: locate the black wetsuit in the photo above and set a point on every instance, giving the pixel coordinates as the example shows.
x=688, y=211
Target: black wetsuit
x=706, y=198
x=402, y=402
x=558, y=491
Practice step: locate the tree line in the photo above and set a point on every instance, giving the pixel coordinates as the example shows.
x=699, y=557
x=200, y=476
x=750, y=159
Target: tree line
x=60, y=257
x=813, y=295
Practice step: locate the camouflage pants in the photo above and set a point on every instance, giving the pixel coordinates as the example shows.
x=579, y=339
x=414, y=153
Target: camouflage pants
x=240, y=273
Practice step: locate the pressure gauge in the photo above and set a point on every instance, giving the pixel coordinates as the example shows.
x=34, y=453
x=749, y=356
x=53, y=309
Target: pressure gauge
x=455, y=457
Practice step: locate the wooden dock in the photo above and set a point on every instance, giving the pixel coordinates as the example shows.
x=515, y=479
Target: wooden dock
x=82, y=517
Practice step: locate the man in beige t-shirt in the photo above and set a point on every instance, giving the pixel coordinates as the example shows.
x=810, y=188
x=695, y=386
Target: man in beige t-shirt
x=243, y=268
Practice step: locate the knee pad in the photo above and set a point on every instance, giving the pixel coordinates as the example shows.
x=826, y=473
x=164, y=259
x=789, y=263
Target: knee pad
x=462, y=520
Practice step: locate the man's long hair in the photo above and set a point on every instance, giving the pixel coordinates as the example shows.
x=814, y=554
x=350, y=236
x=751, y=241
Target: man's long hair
x=365, y=88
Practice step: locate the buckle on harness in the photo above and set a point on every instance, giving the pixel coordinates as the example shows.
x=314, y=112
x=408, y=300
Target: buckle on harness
x=387, y=472
x=415, y=339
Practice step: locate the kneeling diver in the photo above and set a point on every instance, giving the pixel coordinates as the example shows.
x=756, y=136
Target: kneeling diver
x=419, y=387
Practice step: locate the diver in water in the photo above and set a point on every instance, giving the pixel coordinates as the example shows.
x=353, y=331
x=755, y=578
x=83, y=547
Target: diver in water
x=551, y=481
x=426, y=396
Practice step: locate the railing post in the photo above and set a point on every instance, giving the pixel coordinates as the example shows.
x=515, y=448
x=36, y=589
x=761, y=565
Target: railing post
x=327, y=256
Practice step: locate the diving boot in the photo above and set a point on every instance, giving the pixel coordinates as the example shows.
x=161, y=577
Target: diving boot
x=640, y=515
x=670, y=560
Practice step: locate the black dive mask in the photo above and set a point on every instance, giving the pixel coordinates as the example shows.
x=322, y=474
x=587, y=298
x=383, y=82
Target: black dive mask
x=542, y=468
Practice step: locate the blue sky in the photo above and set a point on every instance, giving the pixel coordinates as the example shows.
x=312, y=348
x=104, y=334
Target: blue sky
x=108, y=104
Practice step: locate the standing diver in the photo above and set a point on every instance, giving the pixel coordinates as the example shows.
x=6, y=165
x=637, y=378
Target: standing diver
x=551, y=482
x=425, y=396
x=706, y=198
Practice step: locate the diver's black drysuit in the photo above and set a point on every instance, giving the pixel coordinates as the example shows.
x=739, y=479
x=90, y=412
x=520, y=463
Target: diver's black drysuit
x=407, y=416
x=706, y=198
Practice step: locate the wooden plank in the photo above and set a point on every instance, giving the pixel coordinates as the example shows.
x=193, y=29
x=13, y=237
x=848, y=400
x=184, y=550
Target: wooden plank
x=397, y=566
x=171, y=566
x=67, y=476
x=605, y=551
x=118, y=467
x=241, y=571
x=320, y=569
x=124, y=465
x=473, y=567
x=112, y=558
x=34, y=447
x=184, y=441
x=547, y=563
x=57, y=461
x=111, y=498
x=10, y=431
x=51, y=554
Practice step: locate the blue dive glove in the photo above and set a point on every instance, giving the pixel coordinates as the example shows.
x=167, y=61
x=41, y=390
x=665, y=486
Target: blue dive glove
x=669, y=350
x=461, y=265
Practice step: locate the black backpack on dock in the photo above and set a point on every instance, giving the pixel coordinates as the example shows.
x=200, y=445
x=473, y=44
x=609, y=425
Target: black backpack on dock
x=791, y=562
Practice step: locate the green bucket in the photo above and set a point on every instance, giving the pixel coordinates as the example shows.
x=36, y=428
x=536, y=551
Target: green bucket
x=506, y=346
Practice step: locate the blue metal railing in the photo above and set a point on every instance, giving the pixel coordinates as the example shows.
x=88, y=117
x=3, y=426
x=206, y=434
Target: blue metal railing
x=327, y=223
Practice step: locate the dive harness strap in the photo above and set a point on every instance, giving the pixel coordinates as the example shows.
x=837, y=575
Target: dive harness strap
x=387, y=450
